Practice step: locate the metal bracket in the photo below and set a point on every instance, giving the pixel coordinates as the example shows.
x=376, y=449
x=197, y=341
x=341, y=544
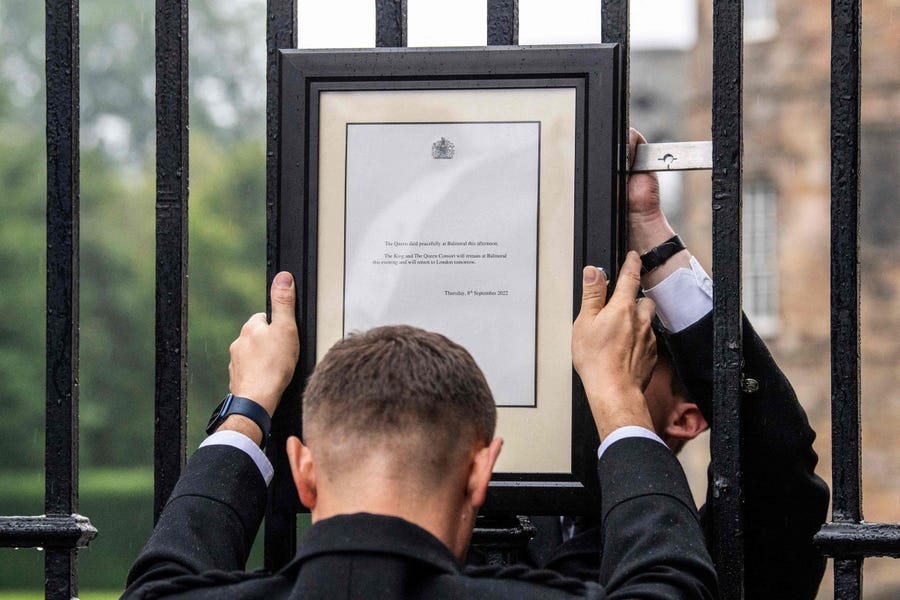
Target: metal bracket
x=674, y=156
x=501, y=540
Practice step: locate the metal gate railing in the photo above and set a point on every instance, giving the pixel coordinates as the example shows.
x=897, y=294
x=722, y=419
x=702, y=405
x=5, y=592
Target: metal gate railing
x=61, y=530
x=847, y=538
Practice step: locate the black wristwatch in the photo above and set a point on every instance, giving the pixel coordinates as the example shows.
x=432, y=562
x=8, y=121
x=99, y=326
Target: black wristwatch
x=236, y=405
x=660, y=254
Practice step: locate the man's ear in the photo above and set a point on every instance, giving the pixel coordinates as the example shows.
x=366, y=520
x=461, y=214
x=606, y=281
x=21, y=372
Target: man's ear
x=685, y=422
x=480, y=474
x=303, y=470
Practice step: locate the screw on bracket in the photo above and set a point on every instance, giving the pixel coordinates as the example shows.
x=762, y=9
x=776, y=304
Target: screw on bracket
x=668, y=159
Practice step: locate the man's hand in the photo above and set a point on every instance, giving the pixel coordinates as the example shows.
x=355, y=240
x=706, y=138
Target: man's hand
x=644, y=210
x=264, y=356
x=614, y=348
x=647, y=225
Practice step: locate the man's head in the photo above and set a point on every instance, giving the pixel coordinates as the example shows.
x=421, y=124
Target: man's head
x=676, y=418
x=400, y=421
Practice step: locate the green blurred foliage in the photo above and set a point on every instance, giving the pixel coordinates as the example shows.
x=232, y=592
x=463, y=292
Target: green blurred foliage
x=227, y=265
x=120, y=505
x=227, y=279
x=117, y=71
x=22, y=300
x=117, y=219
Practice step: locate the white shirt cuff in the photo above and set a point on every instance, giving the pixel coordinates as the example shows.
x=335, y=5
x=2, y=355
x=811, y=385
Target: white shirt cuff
x=629, y=431
x=242, y=442
x=682, y=298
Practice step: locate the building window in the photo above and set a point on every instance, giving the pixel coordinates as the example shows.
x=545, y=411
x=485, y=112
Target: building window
x=760, y=20
x=880, y=226
x=760, y=258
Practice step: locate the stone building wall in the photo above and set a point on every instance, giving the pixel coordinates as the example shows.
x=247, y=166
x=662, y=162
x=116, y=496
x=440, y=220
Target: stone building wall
x=786, y=144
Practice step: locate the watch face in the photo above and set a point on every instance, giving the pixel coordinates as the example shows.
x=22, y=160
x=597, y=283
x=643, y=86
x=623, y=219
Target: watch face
x=216, y=417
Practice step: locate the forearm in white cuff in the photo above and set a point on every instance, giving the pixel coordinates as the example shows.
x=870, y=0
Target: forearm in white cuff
x=682, y=298
x=629, y=431
x=242, y=442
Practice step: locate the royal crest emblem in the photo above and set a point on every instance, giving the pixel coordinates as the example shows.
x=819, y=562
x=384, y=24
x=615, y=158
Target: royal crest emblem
x=443, y=148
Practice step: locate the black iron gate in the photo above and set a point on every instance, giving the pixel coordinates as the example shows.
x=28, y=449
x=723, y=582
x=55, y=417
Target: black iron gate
x=61, y=530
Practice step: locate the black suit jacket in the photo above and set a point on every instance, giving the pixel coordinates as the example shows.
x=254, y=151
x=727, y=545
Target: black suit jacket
x=785, y=502
x=652, y=543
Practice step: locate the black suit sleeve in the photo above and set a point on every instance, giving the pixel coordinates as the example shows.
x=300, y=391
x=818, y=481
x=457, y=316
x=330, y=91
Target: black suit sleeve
x=209, y=522
x=785, y=503
x=651, y=542
x=645, y=540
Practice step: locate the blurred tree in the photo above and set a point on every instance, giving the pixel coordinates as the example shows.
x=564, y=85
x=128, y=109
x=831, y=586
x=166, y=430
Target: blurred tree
x=227, y=264
x=227, y=65
x=22, y=299
x=114, y=338
x=227, y=230
x=227, y=233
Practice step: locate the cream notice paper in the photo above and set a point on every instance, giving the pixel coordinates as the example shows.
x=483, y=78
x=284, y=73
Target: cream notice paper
x=441, y=232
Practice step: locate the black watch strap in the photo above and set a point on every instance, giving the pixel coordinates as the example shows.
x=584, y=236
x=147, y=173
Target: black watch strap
x=237, y=405
x=660, y=254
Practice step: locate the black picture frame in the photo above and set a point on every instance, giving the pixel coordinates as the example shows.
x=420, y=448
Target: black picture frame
x=595, y=73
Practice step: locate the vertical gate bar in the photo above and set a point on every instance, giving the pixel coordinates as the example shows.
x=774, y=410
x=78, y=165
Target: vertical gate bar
x=848, y=581
x=281, y=32
x=390, y=23
x=845, y=342
x=727, y=136
x=616, y=29
x=61, y=453
x=502, y=22
x=170, y=435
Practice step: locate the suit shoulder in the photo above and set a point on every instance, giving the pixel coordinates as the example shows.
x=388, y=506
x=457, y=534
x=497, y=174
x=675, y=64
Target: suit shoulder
x=520, y=579
x=210, y=584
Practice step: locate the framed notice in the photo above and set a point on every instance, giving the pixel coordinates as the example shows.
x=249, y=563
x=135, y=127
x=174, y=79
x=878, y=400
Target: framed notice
x=462, y=191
